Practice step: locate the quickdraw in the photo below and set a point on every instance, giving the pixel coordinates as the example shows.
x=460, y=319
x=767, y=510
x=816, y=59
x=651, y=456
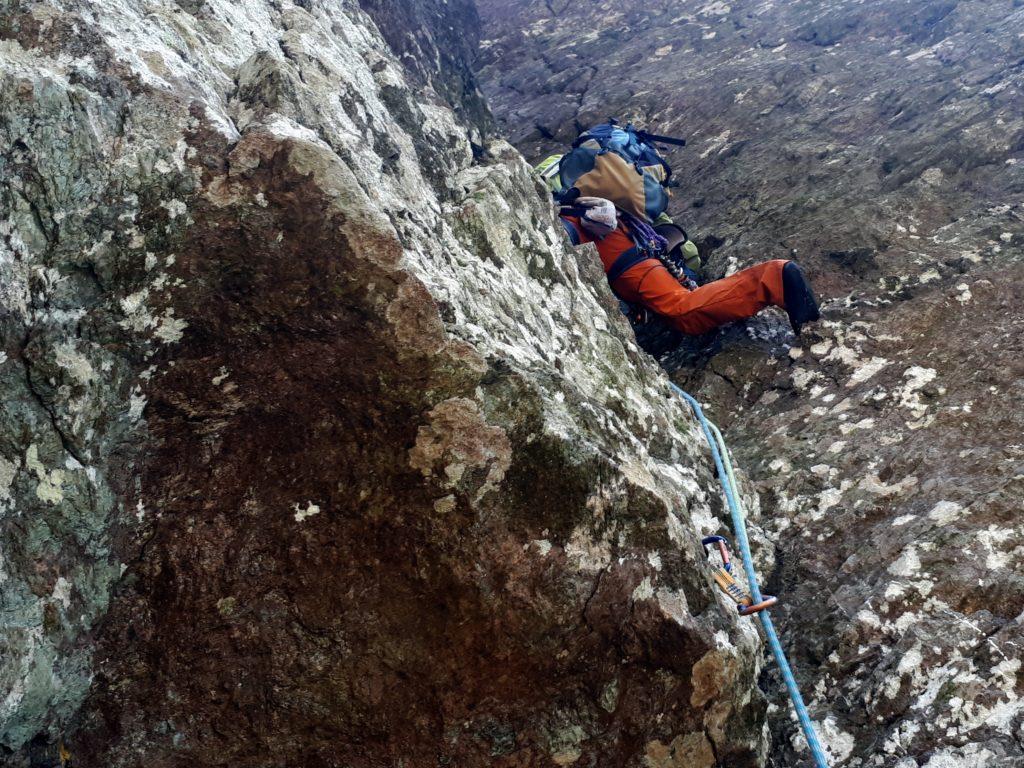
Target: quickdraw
x=732, y=588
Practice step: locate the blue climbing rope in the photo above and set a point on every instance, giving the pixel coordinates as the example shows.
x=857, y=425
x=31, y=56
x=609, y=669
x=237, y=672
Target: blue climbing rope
x=728, y=480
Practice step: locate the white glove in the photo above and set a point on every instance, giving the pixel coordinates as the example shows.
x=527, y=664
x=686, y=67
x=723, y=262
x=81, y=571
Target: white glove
x=599, y=218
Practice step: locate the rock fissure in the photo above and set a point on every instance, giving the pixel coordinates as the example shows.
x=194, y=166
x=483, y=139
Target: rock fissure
x=47, y=408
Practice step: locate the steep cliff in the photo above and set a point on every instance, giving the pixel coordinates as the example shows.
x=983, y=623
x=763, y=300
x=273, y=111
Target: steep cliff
x=882, y=144
x=318, y=446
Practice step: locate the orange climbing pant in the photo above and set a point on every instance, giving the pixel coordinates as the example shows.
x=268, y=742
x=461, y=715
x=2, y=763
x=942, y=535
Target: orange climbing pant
x=736, y=297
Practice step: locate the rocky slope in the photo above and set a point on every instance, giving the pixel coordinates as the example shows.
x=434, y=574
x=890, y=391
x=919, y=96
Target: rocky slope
x=318, y=446
x=881, y=143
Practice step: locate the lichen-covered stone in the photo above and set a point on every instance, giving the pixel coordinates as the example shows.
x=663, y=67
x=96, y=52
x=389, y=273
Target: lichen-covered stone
x=319, y=446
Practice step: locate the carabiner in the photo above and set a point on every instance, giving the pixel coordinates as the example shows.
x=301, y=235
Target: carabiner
x=724, y=578
x=723, y=549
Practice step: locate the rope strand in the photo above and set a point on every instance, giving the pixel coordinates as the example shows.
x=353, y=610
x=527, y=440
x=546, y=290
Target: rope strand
x=727, y=477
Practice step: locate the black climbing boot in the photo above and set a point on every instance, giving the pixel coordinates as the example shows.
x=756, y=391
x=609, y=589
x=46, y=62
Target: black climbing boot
x=801, y=306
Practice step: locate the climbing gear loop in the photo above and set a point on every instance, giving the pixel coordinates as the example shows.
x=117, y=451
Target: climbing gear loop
x=728, y=584
x=727, y=477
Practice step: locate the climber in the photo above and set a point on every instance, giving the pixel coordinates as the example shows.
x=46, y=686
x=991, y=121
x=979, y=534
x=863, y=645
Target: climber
x=629, y=249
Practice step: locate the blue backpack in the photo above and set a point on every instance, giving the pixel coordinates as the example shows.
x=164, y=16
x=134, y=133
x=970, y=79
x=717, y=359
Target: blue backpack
x=621, y=165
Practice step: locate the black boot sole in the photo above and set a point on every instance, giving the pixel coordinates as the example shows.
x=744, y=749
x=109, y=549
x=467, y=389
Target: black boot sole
x=801, y=305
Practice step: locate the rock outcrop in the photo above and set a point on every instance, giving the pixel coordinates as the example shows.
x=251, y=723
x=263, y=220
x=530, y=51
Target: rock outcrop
x=318, y=447
x=882, y=144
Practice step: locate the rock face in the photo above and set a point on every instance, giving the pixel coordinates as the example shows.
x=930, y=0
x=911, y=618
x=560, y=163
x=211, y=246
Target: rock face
x=318, y=446
x=882, y=143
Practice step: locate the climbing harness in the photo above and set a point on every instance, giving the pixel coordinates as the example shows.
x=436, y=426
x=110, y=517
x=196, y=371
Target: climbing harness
x=727, y=477
x=732, y=588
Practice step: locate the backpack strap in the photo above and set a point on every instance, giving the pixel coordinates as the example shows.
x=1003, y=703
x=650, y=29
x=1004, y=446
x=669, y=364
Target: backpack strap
x=626, y=259
x=571, y=231
x=645, y=136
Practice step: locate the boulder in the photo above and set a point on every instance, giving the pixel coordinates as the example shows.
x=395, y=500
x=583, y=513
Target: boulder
x=318, y=445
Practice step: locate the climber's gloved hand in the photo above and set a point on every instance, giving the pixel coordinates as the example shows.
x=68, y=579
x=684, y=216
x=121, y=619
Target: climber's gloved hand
x=598, y=217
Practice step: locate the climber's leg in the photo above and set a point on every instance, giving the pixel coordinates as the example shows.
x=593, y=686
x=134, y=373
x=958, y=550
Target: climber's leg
x=735, y=297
